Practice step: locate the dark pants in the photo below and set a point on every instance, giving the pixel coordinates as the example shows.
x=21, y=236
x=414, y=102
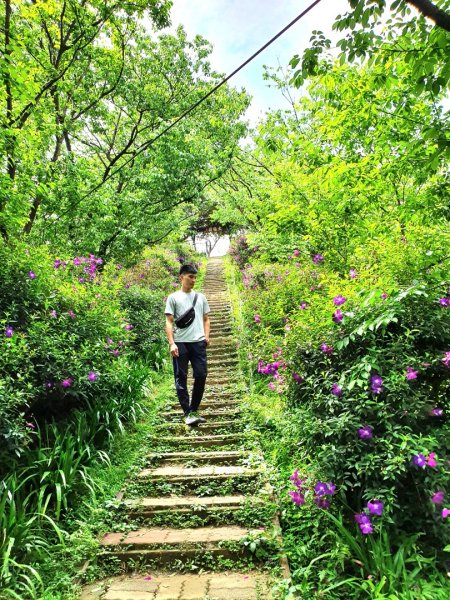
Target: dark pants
x=194, y=353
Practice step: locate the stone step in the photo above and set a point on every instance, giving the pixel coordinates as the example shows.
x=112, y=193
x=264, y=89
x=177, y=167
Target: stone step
x=176, y=473
x=177, y=416
x=213, y=397
x=222, y=340
x=155, y=537
x=205, y=441
x=224, y=457
x=188, y=503
x=242, y=585
x=222, y=354
x=207, y=426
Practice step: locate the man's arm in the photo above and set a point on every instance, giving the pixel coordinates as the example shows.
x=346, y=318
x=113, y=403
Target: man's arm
x=206, y=327
x=169, y=333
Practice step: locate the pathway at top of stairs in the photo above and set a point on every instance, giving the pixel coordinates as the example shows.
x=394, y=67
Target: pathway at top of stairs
x=201, y=493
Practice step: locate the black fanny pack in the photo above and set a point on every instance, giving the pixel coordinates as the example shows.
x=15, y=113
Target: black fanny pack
x=187, y=317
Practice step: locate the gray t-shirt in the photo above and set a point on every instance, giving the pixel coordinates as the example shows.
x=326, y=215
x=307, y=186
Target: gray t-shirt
x=178, y=303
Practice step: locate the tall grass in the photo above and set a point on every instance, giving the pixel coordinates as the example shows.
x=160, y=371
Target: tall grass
x=50, y=478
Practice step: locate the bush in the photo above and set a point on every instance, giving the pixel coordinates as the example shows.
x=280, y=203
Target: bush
x=63, y=336
x=377, y=400
x=145, y=309
x=318, y=339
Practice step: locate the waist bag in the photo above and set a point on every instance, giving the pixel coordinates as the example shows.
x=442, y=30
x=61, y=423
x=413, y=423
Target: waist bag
x=187, y=317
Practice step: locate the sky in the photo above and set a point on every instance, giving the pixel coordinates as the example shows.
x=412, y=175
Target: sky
x=237, y=28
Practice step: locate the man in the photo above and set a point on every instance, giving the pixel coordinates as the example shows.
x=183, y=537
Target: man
x=188, y=345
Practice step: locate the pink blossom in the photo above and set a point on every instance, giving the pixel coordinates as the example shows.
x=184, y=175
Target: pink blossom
x=411, y=374
x=431, y=460
x=445, y=512
x=438, y=497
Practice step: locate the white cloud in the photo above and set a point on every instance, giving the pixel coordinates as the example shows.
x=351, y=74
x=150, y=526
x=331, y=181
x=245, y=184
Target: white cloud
x=237, y=28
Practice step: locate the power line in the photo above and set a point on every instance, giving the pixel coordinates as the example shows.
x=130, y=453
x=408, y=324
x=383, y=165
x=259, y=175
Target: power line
x=196, y=104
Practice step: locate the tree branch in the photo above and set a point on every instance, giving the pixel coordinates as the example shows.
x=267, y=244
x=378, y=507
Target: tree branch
x=433, y=12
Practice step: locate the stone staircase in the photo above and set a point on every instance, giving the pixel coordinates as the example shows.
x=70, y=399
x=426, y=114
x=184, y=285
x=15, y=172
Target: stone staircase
x=199, y=496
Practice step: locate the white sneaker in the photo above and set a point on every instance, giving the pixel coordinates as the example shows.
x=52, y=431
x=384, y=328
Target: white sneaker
x=191, y=420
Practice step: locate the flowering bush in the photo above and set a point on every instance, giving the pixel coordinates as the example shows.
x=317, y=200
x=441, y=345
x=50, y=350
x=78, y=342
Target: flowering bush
x=63, y=333
x=375, y=407
x=364, y=362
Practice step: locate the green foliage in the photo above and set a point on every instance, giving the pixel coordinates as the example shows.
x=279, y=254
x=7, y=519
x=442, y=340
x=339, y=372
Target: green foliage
x=69, y=340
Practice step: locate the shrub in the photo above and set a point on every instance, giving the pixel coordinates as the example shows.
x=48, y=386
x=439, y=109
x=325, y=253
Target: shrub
x=145, y=309
x=63, y=336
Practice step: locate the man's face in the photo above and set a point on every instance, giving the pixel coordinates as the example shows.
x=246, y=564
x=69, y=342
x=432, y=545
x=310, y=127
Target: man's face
x=188, y=280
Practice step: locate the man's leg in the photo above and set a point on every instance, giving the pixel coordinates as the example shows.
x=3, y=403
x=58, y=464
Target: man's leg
x=197, y=356
x=180, y=370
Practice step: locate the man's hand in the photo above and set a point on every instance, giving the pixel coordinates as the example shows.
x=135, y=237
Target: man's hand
x=174, y=350
x=207, y=341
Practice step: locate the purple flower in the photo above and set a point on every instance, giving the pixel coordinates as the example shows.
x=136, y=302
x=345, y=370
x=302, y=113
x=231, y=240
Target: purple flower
x=297, y=498
x=437, y=412
x=366, y=432
x=77, y=261
x=352, y=273
x=321, y=488
x=53, y=314
x=438, y=497
x=57, y=263
x=339, y=300
x=376, y=507
x=257, y=319
x=317, y=259
x=337, y=316
x=384, y=296
x=30, y=425
x=419, y=460
x=326, y=349
x=364, y=523
x=49, y=385
x=336, y=390
x=92, y=376
x=303, y=306
x=446, y=359
x=411, y=374
x=376, y=384
x=298, y=378
x=331, y=488
x=445, y=512
x=71, y=314
x=128, y=327
x=322, y=502
x=444, y=301
x=296, y=252
x=32, y=275
x=81, y=279
x=115, y=352
x=66, y=383
x=9, y=331
x=271, y=386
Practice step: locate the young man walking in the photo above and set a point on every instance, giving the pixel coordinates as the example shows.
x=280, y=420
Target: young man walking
x=188, y=341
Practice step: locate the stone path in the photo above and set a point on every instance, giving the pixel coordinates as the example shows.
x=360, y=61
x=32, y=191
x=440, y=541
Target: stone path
x=201, y=493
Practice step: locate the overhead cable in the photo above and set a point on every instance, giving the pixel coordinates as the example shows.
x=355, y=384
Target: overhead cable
x=203, y=98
